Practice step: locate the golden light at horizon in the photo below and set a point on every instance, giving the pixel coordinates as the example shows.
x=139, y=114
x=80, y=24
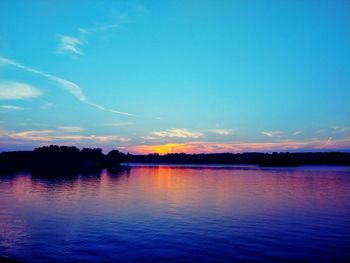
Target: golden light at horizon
x=219, y=147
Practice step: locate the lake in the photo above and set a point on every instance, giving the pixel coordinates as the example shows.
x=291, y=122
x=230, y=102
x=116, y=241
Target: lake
x=169, y=213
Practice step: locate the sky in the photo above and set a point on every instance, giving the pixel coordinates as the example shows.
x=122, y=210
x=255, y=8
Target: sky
x=175, y=76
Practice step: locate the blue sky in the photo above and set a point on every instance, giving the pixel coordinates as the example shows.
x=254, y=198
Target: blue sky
x=170, y=76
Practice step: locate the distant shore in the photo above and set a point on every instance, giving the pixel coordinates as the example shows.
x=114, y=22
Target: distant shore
x=282, y=159
x=72, y=159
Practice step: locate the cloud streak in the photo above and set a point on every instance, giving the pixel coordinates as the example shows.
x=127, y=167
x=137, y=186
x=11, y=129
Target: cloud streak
x=10, y=107
x=173, y=133
x=297, y=132
x=73, y=44
x=67, y=85
x=223, y=132
x=10, y=90
x=276, y=134
x=68, y=44
x=56, y=136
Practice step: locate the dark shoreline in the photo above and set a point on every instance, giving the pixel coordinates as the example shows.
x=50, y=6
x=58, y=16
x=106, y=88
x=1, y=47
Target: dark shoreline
x=58, y=159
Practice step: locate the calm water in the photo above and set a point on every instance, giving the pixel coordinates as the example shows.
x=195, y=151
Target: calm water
x=172, y=213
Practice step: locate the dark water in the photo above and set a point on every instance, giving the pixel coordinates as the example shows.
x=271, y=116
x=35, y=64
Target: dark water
x=190, y=214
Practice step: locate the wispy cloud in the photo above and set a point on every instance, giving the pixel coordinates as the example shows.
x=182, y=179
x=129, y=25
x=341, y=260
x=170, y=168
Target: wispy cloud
x=59, y=136
x=68, y=44
x=72, y=44
x=70, y=128
x=67, y=85
x=174, y=133
x=224, y=132
x=31, y=135
x=297, y=132
x=276, y=134
x=119, y=20
x=10, y=107
x=18, y=91
x=340, y=129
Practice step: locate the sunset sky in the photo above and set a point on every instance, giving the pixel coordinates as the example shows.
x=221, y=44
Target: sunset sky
x=175, y=76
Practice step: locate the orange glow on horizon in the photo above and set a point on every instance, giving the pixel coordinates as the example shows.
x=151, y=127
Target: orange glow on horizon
x=217, y=147
x=162, y=149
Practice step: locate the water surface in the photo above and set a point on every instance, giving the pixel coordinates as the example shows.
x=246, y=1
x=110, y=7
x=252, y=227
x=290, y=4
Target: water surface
x=178, y=213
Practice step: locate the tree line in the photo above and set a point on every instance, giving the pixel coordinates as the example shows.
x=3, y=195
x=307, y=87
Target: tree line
x=59, y=158
x=70, y=158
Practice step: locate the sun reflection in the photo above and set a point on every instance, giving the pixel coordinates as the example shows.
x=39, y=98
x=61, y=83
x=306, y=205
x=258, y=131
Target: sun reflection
x=152, y=194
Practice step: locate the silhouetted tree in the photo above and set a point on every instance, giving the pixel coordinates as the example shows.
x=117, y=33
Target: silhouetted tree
x=57, y=159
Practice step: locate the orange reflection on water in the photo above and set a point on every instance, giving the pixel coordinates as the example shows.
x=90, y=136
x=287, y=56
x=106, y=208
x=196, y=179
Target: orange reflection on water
x=163, y=189
x=177, y=194
x=245, y=190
